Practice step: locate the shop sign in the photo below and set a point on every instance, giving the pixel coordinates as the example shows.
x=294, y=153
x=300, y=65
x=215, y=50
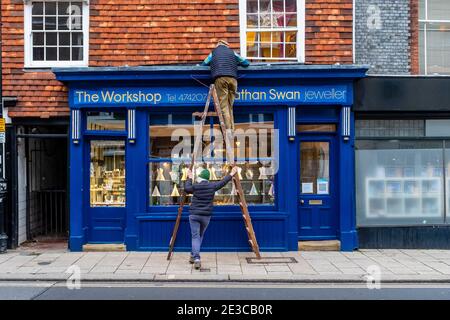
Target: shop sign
x=153, y=96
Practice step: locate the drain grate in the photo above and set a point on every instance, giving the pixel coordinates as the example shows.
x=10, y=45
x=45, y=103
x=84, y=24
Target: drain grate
x=205, y=270
x=271, y=260
x=44, y=263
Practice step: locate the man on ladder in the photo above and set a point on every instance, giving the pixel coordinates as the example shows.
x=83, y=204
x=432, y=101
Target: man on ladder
x=201, y=207
x=224, y=63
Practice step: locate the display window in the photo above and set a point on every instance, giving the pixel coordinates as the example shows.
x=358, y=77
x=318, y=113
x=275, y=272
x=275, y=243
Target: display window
x=171, y=143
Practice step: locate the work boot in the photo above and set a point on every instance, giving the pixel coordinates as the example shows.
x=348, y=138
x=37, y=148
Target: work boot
x=191, y=260
x=197, y=264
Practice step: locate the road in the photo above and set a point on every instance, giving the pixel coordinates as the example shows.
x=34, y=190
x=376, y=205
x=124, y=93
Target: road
x=219, y=291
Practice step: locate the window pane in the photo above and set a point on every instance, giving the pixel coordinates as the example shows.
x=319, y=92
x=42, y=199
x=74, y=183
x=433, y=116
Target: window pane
x=291, y=36
x=316, y=127
x=253, y=149
x=252, y=20
x=438, y=48
x=422, y=47
x=51, y=38
x=38, y=38
x=314, y=167
x=77, y=54
x=291, y=51
x=63, y=23
x=50, y=8
x=264, y=6
x=438, y=128
x=51, y=54
x=37, y=9
x=277, y=50
x=37, y=23
x=278, y=5
x=252, y=6
x=422, y=9
x=77, y=38
x=438, y=10
x=399, y=182
x=63, y=8
x=112, y=121
x=64, y=53
x=38, y=54
x=291, y=20
x=50, y=23
x=107, y=174
x=76, y=8
x=64, y=39
x=265, y=20
x=163, y=127
x=76, y=23
x=252, y=50
x=291, y=5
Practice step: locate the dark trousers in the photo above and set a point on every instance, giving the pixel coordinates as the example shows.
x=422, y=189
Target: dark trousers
x=198, y=225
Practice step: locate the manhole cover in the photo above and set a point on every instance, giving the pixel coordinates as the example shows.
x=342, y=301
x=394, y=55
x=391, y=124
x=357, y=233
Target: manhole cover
x=44, y=263
x=271, y=260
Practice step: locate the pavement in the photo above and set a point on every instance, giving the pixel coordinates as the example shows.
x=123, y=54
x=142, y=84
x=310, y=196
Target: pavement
x=389, y=266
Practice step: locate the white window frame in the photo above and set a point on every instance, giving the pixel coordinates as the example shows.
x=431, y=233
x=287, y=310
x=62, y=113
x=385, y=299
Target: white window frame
x=425, y=21
x=300, y=32
x=28, y=45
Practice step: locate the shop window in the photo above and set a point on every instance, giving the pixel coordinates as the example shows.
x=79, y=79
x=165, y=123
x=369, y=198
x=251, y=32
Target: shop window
x=390, y=128
x=314, y=167
x=171, y=146
x=399, y=182
x=56, y=33
x=107, y=173
x=272, y=30
x=434, y=36
x=105, y=121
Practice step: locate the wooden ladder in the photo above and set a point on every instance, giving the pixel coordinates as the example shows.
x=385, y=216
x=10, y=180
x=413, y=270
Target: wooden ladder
x=229, y=139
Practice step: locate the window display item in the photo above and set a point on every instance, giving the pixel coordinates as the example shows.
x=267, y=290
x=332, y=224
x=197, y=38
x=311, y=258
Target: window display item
x=160, y=175
x=184, y=174
x=156, y=192
x=271, y=191
x=175, y=192
x=263, y=173
x=253, y=191
x=212, y=173
x=239, y=172
x=249, y=174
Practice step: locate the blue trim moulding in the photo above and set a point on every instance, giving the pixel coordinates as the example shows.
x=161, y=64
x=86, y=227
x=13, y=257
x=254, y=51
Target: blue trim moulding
x=292, y=93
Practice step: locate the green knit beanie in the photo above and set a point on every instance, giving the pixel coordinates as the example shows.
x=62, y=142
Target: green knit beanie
x=204, y=174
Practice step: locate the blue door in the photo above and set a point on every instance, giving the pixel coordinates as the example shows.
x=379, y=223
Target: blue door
x=106, y=191
x=317, y=192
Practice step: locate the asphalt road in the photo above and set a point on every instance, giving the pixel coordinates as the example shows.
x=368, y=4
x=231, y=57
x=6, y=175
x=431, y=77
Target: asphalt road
x=215, y=291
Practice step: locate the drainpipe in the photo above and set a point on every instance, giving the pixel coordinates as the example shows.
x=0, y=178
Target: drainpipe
x=3, y=236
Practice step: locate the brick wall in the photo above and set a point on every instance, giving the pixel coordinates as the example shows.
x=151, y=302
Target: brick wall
x=329, y=33
x=140, y=32
x=383, y=35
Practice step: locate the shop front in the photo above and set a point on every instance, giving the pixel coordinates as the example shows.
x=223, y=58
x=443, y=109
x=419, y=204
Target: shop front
x=132, y=135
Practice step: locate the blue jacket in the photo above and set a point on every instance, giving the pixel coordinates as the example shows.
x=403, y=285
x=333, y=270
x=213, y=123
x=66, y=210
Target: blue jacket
x=224, y=62
x=203, y=195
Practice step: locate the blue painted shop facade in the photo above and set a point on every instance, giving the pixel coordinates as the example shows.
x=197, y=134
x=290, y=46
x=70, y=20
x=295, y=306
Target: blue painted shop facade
x=125, y=180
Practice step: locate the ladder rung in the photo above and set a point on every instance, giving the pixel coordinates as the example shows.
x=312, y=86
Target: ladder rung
x=208, y=114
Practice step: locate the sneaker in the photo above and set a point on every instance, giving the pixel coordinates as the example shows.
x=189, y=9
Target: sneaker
x=191, y=260
x=197, y=264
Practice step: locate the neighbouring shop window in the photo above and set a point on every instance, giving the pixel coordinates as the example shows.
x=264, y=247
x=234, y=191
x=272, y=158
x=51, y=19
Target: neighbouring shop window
x=314, y=167
x=171, y=146
x=273, y=30
x=107, y=173
x=399, y=182
x=105, y=121
x=434, y=36
x=56, y=33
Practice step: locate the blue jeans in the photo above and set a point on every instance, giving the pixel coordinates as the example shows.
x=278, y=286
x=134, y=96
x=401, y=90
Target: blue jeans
x=198, y=227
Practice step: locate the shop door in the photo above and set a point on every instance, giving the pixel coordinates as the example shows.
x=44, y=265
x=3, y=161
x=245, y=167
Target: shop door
x=317, y=205
x=106, y=191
